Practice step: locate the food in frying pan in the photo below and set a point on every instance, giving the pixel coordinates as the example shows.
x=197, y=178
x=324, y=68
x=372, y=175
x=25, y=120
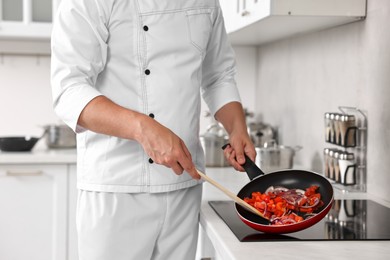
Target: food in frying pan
x=283, y=206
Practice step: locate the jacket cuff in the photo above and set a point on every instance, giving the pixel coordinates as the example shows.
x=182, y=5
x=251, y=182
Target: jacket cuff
x=220, y=95
x=79, y=97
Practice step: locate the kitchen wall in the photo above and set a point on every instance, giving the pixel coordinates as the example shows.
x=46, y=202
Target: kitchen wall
x=25, y=103
x=25, y=95
x=301, y=78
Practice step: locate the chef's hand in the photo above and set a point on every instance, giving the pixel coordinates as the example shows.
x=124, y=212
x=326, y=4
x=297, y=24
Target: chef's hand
x=238, y=146
x=232, y=118
x=166, y=148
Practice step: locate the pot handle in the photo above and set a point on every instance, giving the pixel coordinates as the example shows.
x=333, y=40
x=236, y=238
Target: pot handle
x=270, y=144
x=45, y=130
x=250, y=167
x=297, y=148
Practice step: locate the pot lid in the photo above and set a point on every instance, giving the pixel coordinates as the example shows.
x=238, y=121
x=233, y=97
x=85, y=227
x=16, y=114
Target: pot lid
x=273, y=146
x=216, y=130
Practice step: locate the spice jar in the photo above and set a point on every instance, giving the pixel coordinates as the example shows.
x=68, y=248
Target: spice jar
x=328, y=127
x=336, y=166
x=331, y=164
x=346, y=162
x=348, y=130
x=332, y=128
x=336, y=124
x=326, y=162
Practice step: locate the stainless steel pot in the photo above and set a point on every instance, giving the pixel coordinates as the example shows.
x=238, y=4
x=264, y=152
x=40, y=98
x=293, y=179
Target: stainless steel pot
x=59, y=136
x=272, y=157
x=261, y=133
x=212, y=141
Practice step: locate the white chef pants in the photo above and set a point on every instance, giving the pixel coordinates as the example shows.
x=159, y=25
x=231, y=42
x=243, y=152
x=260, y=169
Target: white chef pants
x=141, y=226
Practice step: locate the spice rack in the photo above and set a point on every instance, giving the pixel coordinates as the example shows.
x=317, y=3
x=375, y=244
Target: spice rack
x=345, y=160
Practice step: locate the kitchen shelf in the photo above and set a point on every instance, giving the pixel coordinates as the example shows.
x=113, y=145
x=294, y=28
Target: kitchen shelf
x=359, y=150
x=24, y=47
x=264, y=21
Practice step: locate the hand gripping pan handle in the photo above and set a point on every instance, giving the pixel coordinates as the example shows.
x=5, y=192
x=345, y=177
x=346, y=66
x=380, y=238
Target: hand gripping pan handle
x=250, y=167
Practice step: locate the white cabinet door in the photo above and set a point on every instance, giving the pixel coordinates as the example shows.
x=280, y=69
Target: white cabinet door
x=26, y=10
x=25, y=26
x=11, y=10
x=230, y=10
x=33, y=202
x=240, y=13
x=72, y=196
x=27, y=19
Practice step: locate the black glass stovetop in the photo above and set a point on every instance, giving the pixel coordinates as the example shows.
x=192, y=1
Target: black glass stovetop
x=347, y=220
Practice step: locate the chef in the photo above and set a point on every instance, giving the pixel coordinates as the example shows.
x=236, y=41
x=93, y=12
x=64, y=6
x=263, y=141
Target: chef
x=128, y=77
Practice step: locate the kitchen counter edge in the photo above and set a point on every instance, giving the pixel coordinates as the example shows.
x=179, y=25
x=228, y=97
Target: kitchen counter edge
x=41, y=156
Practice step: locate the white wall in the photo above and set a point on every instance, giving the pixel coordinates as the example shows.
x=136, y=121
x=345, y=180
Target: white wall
x=301, y=78
x=25, y=97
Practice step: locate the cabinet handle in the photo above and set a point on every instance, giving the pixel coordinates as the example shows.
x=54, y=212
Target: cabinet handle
x=245, y=13
x=21, y=173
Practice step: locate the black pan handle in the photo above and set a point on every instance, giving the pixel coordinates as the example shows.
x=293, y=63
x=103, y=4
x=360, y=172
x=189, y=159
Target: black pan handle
x=249, y=166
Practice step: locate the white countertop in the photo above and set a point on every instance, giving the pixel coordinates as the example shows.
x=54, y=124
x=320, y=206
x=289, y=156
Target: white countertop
x=40, y=156
x=227, y=246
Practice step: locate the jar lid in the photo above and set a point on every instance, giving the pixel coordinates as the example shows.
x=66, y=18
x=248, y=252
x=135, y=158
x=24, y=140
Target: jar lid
x=347, y=118
x=346, y=156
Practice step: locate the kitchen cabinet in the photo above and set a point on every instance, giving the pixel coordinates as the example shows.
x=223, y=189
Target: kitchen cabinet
x=230, y=10
x=256, y=22
x=240, y=13
x=72, y=200
x=25, y=25
x=21, y=19
x=33, y=219
x=38, y=200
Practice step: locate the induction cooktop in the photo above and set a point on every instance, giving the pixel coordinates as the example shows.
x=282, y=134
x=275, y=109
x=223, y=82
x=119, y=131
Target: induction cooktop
x=347, y=220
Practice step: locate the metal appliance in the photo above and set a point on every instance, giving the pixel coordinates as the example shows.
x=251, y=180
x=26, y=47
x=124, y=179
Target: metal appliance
x=273, y=157
x=212, y=142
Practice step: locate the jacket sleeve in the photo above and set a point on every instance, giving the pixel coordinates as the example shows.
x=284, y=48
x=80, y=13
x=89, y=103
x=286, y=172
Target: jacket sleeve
x=79, y=52
x=219, y=69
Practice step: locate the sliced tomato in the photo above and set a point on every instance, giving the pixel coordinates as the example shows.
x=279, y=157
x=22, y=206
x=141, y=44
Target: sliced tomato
x=274, y=205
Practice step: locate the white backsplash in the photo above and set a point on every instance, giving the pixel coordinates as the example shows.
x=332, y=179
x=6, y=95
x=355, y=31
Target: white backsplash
x=25, y=103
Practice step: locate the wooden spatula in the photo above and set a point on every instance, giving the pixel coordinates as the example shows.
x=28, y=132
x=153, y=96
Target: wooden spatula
x=231, y=195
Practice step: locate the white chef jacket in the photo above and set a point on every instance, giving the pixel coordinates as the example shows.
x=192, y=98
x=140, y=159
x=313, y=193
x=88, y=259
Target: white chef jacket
x=156, y=57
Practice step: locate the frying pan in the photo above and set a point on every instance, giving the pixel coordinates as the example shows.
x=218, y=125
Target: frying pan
x=292, y=179
x=17, y=143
